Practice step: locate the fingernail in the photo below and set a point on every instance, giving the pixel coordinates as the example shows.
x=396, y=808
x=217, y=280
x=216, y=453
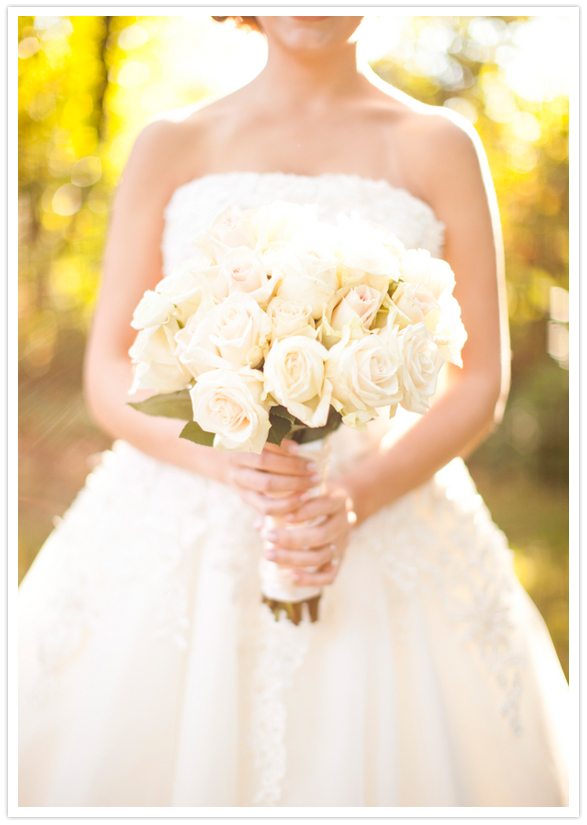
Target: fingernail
x=270, y=536
x=289, y=517
x=270, y=554
x=258, y=523
x=296, y=576
x=311, y=466
x=293, y=447
x=306, y=496
x=316, y=477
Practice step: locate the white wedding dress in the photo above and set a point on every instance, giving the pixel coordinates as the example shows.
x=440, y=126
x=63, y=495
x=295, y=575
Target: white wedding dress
x=152, y=675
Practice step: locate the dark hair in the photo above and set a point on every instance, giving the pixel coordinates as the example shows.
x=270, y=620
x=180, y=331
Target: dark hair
x=247, y=23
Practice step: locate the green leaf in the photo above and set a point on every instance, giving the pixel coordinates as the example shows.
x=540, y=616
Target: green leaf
x=193, y=432
x=171, y=405
x=393, y=285
x=282, y=413
x=307, y=434
x=286, y=425
x=281, y=428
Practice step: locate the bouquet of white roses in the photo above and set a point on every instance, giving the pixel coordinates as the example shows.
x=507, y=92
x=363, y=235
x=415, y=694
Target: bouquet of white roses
x=284, y=326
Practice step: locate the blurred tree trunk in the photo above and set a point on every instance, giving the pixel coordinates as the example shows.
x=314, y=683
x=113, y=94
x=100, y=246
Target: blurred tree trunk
x=102, y=124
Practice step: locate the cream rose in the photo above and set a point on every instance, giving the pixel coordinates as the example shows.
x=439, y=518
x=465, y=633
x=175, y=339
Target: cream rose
x=419, y=267
x=294, y=376
x=281, y=221
x=450, y=334
x=242, y=270
x=275, y=254
x=155, y=365
x=415, y=304
x=319, y=263
x=360, y=302
x=378, y=236
x=192, y=277
x=364, y=373
x=232, y=228
x=366, y=254
x=228, y=335
x=290, y=318
x=230, y=405
x=178, y=295
x=187, y=284
x=422, y=361
x=185, y=335
x=152, y=311
x=308, y=280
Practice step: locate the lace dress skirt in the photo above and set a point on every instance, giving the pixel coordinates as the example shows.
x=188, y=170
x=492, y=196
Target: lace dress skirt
x=152, y=675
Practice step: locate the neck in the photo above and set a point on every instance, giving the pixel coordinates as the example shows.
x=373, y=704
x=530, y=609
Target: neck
x=309, y=80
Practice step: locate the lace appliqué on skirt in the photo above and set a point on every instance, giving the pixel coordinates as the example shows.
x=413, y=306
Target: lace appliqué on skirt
x=99, y=554
x=281, y=647
x=445, y=543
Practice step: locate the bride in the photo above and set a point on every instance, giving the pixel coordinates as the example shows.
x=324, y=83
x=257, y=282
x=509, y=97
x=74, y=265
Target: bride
x=150, y=672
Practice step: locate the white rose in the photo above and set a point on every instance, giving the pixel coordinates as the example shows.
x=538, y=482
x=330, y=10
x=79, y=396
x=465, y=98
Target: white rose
x=192, y=277
x=186, y=285
x=364, y=373
x=184, y=336
x=319, y=239
x=450, y=334
x=367, y=254
x=318, y=263
x=152, y=311
x=416, y=304
x=275, y=254
x=229, y=335
x=281, y=221
x=230, y=229
x=294, y=375
x=230, y=405
x=360, y=302
x=155, y=365
x=290, y=318
x=419, y=267
x=354, y=227
x=314, y=287
x=421, y=364
x=242, y=270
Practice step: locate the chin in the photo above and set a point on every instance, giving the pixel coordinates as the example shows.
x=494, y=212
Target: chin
x=310, y=33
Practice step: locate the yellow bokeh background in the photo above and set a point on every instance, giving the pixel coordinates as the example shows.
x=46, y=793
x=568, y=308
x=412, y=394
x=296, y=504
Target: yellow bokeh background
x=88, y=84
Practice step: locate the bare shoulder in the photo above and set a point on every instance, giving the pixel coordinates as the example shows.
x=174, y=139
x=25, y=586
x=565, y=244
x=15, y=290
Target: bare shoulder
x=438, y=146
x=441, y=133
x=425, y=145
x=162, y=155
x=169, y=151
x=447, y=168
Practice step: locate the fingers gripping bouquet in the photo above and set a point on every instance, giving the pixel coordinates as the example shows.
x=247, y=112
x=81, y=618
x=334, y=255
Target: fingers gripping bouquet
x=284, y=326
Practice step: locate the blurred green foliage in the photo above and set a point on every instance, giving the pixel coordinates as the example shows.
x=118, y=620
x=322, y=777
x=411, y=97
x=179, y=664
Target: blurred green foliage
x=87, y=84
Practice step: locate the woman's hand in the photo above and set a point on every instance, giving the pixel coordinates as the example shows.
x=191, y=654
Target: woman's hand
x=274, y=482
x=319, y=544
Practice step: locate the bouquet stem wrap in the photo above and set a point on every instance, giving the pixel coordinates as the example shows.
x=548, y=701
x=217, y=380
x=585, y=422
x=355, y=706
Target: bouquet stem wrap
x=277, y=588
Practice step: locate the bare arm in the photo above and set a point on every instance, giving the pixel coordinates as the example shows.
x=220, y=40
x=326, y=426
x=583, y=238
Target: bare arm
x=133, y=264
x=459, y=188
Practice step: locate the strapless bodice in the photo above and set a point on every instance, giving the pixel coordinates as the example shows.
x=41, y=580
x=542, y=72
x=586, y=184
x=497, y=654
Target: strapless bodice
x=195, y=205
